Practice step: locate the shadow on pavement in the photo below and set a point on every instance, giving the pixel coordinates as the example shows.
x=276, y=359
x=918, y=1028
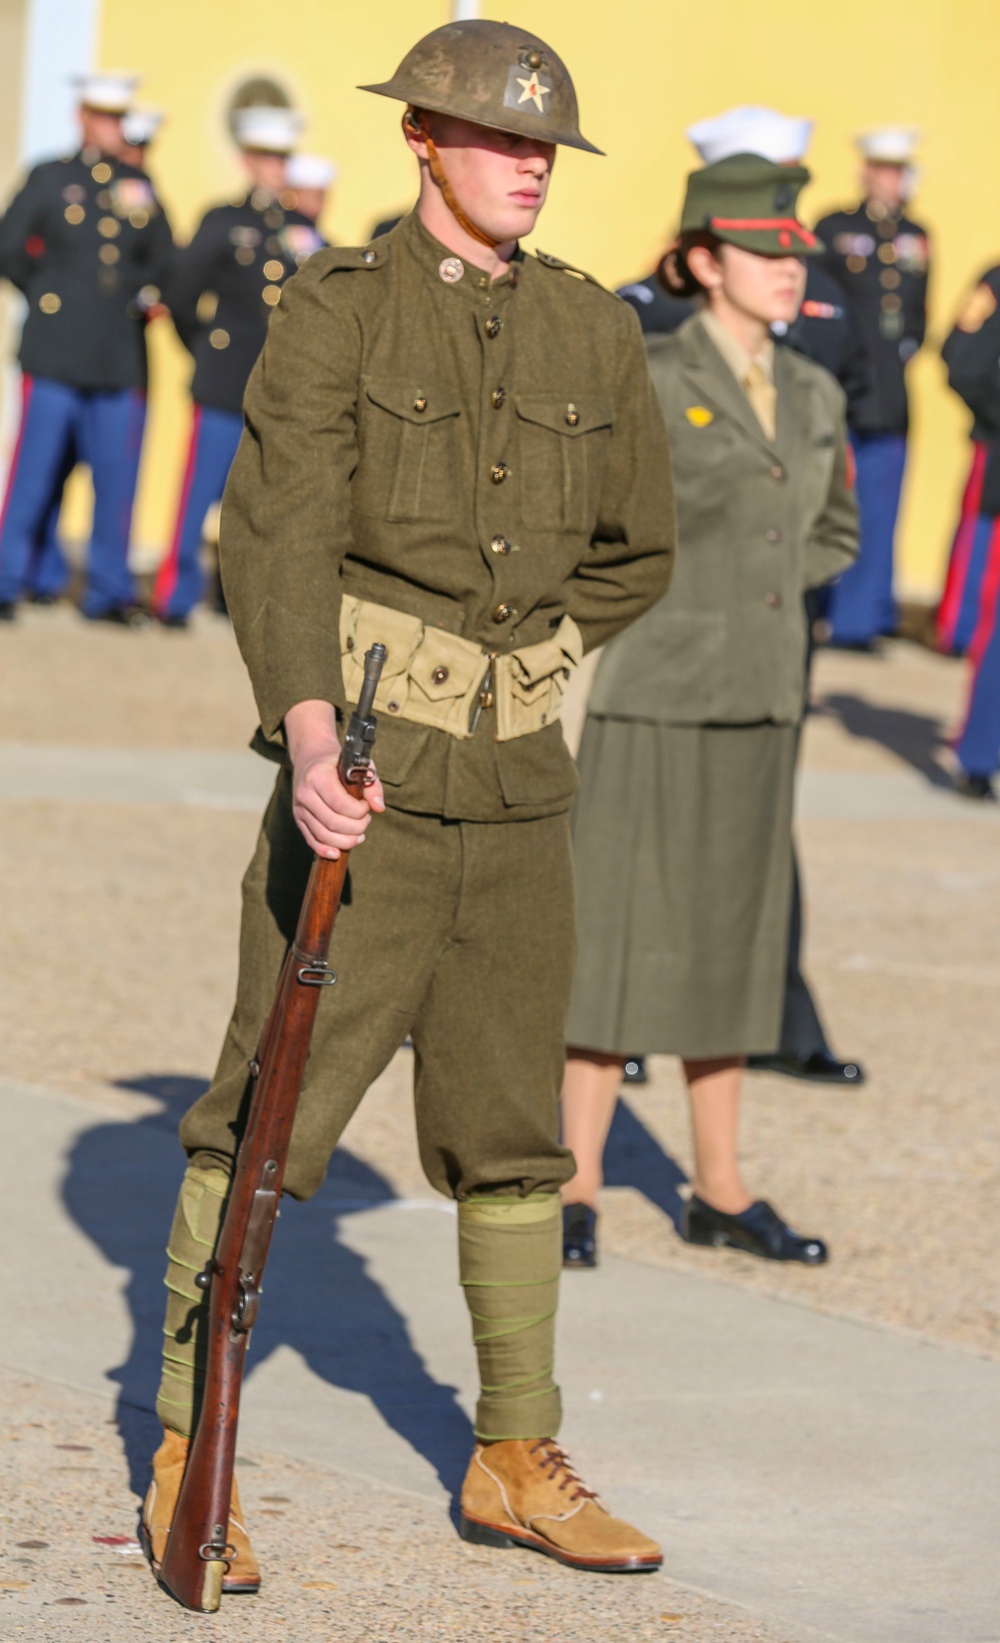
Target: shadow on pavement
x=634, y=1158
x=914, y=737
x=121, y=1186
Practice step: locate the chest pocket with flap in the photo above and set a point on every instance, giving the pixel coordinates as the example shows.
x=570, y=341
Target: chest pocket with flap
x=408, y=465
x=564, y=447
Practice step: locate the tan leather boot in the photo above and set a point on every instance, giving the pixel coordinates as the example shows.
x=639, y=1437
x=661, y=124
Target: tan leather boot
x=158, y=1514
x=524, y=1492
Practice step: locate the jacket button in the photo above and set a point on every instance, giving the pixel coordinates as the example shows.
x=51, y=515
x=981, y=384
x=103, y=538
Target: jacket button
x=440, y=675
x=773, y=601
x=500, y=544
x=572, y=416
x=778, y=474
x=368, y=257
x=503, y=613
x=499, y=472
x=493, y=326
x=772, y=536
x=420, y=403
x=497, y=397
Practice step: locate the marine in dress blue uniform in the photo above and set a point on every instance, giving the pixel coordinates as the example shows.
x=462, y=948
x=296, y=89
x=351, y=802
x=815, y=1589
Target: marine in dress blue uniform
x=971, y=354
x=49, y=573
x=223, y=288
x=88, y=243
x=970, y=608
x=880, y=258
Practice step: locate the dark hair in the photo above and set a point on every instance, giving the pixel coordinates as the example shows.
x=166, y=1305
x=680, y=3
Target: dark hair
x=675, y=274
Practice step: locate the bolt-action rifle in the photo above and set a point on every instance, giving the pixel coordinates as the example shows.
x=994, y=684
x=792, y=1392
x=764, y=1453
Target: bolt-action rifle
x=198, y=1553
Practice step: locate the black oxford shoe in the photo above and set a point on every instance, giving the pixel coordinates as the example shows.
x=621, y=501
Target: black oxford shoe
x=123, y=616
x=758, y=1230
x=820, y=1068
x=976, y=787
x=8, y=610
x=579, y=1235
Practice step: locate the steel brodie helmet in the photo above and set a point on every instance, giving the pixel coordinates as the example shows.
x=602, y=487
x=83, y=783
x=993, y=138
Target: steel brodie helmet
x=493, y=74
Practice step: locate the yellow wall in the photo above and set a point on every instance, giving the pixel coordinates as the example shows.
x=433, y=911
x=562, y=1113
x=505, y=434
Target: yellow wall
x=644, y=71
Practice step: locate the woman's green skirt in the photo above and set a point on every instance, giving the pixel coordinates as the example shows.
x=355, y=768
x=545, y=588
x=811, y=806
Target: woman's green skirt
x=682, y=840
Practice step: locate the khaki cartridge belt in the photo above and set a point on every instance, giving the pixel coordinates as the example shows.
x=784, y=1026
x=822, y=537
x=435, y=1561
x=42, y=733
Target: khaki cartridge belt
x=435, y=678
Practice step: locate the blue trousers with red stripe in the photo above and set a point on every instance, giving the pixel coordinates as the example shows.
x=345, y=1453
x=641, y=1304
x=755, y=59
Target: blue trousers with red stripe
x=862, y=604
x=978, y=746
x=48, y=572
x=180, y=581
x=105, y=428
x=958, y=613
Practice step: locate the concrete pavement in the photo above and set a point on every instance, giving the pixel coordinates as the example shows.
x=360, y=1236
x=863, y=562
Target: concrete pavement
x=817, y=1449
x=833, y=1478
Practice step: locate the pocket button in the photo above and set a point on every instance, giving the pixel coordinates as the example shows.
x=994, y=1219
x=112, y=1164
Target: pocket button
x=503, y=613
x=440, y=675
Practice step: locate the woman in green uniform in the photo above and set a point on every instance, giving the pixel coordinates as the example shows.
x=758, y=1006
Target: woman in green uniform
x=683, y=824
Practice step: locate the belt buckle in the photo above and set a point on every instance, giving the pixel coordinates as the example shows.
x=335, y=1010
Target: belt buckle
x=486, y=696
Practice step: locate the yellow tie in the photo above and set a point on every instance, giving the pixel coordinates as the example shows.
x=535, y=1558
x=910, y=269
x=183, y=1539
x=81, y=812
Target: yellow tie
x=763, y=396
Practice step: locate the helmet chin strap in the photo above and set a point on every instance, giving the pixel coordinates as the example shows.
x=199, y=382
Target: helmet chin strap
x=413, y=125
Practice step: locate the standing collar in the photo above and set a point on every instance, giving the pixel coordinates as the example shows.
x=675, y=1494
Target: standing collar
x=473, y=285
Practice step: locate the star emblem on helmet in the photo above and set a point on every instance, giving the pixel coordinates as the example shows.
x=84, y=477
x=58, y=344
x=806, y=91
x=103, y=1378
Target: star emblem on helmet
x=533, y=91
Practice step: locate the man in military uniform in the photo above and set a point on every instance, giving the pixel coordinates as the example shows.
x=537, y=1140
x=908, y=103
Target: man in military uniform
x=880, y=259
x=971, y=354
x=971, y=603
x=87, y=241
x=222, y=292
x=451, y=447
x=48, y=573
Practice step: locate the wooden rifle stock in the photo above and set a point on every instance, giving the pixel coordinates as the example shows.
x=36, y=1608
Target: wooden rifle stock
x=196, y=1559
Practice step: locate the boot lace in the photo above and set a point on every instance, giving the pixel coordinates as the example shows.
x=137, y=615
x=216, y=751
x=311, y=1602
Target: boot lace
x=558, y=1465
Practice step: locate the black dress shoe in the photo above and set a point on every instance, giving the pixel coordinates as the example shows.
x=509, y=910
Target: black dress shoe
x=8, y=610
x=859, y=647
x=124, y=616
x=819, y=1068
x=44, y=601
x=176, y=623
x=579, y=1235
x=976, y=787
x=635, y=1070
x=757, y=1230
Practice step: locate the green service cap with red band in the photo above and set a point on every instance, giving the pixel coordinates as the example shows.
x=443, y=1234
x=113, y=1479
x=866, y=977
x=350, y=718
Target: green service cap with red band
x=750, y=202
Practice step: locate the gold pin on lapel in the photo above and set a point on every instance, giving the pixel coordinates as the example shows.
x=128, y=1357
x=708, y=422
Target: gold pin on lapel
x=699, y=416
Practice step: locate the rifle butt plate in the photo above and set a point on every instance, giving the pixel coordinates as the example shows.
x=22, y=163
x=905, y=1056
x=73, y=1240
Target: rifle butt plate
x=211, y=1586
